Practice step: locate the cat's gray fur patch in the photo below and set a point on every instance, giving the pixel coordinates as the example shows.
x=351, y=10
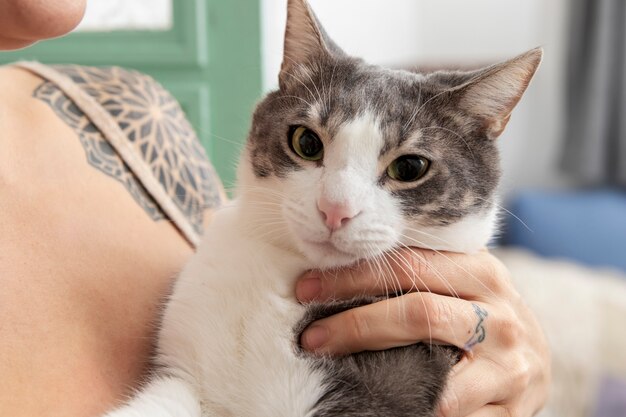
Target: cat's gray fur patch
x=400, y=382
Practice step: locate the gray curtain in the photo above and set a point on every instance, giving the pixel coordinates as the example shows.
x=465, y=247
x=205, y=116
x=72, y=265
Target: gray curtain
x=595, y=145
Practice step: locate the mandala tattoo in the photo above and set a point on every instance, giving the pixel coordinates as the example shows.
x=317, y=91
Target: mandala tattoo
x=154, y=124
x=479, y=331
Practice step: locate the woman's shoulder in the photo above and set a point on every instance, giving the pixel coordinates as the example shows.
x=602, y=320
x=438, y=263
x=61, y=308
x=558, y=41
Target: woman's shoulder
x=135, y=131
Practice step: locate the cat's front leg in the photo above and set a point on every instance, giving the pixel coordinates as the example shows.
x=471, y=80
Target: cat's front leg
x=163, y=397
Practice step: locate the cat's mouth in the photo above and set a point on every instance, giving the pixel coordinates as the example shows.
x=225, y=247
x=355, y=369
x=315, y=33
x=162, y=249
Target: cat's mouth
x=328, y=253
x=328, y=246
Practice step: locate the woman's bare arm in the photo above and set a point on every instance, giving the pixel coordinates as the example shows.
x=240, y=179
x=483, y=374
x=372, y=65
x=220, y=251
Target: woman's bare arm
x=82, y=267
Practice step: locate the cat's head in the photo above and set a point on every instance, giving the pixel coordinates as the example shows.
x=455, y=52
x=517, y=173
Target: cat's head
x=348, y=160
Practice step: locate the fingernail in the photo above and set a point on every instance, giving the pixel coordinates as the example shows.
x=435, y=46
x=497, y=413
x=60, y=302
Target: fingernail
x=315, y=337
x=309, y=288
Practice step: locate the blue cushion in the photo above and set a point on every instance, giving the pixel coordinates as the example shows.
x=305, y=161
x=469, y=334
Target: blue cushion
x=587, y=226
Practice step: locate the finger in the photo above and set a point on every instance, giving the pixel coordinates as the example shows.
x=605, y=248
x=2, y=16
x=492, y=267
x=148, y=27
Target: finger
x=472, y=277
x=471, y=388
x=399, y=321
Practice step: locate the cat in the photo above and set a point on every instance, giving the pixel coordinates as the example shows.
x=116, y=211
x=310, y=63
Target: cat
x=344, y=162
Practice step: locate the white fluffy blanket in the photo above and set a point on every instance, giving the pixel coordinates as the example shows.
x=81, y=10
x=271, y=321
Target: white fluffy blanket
x=583, y=312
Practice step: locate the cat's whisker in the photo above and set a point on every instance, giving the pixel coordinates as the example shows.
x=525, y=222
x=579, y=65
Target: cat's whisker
x=383, y=278
x=450, y=288
x=269, y=218
x=275, y=211
x=261, y=231
x=408, y=123
x=267, y=221
x=379, y=274
x=395, y=285
x=273, y=233
x=308, y=74
x=390, y=285
x=277, y=222
x=272, y=222
x=422, y=259
x=257, y=187
x=380, y=280
x=261, y=226
x=384, y=274
x=397, y=280
x=501, y=207
x=286, y=98
x=414, y=286
x=439, y=238
x=391, y=282
x=330, y=88
x=449, y=259
x=372, y=263
x=407, y=268
x=216, y=136
x=267, y=209
x=262, y=190
x=454, y=133
x=298, y=79
x=267, y=204
x=324, y=94
x=446, y=283
x=299, y=215
x=308, y=103
x=404, y=265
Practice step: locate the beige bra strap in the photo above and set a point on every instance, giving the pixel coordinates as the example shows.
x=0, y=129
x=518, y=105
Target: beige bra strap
x=118, y=140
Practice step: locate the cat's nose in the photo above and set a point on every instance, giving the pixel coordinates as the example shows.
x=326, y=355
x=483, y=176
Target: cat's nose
x=335, y=215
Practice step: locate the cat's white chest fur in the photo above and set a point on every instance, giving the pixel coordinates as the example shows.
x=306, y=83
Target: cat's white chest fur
x=228, y=327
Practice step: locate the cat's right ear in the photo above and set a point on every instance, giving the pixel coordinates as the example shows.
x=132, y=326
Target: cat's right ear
x=306, y=41
x=492, y=93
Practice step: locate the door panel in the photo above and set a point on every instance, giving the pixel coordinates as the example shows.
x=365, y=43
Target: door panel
x=209, y=59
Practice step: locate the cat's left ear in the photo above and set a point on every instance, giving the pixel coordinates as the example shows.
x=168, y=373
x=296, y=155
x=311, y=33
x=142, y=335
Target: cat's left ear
x=493, y=92
x=306, y=41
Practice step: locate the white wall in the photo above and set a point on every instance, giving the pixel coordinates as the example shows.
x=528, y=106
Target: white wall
x=104, y=15
x=456, y=32
x=354, y=24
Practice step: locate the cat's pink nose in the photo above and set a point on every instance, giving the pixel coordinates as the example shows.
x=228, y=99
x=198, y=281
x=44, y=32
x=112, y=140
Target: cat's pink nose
x=335, y=215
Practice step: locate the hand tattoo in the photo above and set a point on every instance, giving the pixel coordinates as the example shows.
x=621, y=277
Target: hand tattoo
x=479, y=331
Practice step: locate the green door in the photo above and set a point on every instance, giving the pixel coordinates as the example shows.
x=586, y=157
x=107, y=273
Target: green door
x=210, y=60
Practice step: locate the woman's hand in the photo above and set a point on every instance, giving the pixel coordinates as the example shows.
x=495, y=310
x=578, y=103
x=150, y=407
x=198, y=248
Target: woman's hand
x=462, y=300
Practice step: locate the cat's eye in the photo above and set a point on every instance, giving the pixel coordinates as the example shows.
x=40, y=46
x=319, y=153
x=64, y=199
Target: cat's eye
x=306, y=144
x=408, y=168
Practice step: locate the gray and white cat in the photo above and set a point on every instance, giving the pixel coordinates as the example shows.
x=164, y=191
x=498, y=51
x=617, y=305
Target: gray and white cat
x=344, y=162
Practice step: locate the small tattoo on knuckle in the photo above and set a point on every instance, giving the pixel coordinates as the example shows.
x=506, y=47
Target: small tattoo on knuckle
x=479, y=334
